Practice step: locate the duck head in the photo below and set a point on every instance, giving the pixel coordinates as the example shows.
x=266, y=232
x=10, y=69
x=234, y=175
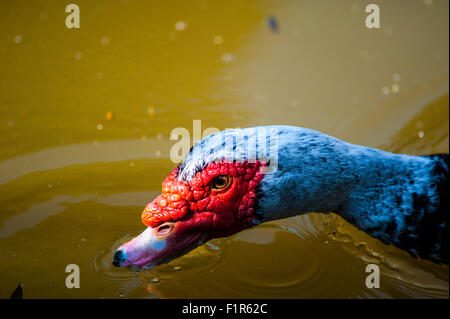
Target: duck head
x=217, y=202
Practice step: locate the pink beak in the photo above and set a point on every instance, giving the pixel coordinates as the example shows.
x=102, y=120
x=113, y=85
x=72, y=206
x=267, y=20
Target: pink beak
x=157, y=245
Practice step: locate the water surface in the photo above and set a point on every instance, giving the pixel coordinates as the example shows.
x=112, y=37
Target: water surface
x=86, y=115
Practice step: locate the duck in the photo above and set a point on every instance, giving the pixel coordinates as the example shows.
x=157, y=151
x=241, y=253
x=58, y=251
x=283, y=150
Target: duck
x=239, y=178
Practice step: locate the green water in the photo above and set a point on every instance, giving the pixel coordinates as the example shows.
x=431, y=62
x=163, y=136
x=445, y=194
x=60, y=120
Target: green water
x=86, y=116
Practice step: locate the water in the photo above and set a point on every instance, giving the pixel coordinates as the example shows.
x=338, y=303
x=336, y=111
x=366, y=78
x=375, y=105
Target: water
x=86, y=115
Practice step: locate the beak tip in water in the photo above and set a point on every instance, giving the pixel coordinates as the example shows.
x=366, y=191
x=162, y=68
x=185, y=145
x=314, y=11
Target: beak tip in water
x=119, y=258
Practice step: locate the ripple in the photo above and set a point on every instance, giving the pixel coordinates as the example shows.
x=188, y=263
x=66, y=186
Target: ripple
x=409, y=276
x=308, y=256
x=267, y=261
x=102, y=261
x=257, y=275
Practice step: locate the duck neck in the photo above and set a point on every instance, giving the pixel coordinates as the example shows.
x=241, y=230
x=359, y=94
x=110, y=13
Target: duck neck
x=395, y=198
x=398, y=199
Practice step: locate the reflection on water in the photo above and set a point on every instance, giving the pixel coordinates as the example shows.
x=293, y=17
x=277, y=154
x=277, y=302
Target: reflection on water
x=85, y=117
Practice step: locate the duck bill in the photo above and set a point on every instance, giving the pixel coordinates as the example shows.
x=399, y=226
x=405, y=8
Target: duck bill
x=151, y=248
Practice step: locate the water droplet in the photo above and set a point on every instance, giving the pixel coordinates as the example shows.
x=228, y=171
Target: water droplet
x=228, y=57
x=180, y=26
x=177, y=268
x=99, y=127
x=104, y=40
x=395, y=88
x=155, y=280
x=158, y=153
x=420, y=134
x=150, y=111
x=18, y=39
x=218, y=40
x=78, y=55
x=385, y=90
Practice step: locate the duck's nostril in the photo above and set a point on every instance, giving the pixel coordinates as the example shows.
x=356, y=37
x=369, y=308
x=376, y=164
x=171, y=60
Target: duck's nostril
x=119, y=258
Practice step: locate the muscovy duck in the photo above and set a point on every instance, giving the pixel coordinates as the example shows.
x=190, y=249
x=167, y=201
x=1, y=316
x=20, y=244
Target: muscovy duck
x=239, y=178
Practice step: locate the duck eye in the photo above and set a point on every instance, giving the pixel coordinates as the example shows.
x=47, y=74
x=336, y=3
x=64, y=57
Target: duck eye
x=220, y=182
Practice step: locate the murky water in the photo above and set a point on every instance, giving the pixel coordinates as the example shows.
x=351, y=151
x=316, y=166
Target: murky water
x=85, y=118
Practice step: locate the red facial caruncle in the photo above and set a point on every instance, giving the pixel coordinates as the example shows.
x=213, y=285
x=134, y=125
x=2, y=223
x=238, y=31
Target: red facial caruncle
x=219, y=200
